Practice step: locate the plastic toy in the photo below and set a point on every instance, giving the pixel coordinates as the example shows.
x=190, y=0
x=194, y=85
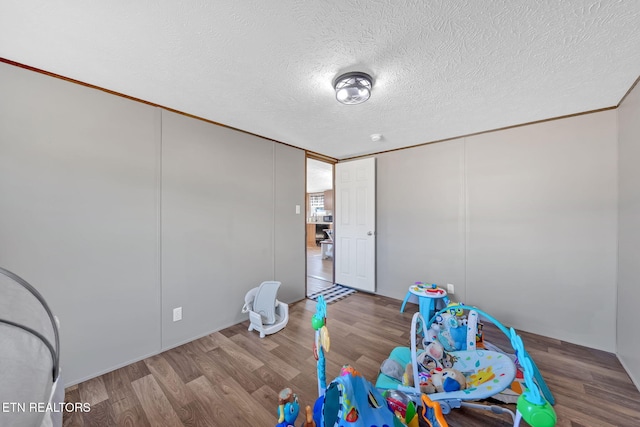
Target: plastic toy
x=429, y=297
x=322, y=342
x=349, y=400
x=432, y=413
x=455, y=310
x=308, y=421
x=266, y=313
x=288, y=408
x=532, y=407
x=487, y=372
x=402, y=406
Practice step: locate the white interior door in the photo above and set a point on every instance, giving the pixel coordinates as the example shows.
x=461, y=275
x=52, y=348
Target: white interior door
x=354, y=223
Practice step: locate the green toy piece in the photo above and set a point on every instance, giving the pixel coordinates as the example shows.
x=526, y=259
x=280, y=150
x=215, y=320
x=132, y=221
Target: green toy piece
x=537, y=415
x=317, y=322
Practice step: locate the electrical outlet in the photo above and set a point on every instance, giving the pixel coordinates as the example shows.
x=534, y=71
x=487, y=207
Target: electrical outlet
x=177, y=314
x=450, y=289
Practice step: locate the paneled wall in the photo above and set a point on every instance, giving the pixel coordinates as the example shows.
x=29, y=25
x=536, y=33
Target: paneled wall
x=541, y=227
x=421, y=218
x=219, y=223
x=289, y=227
x=118, y=212
x=79, y=214
x=522, y=221
x=629, y=234
x=216, y=218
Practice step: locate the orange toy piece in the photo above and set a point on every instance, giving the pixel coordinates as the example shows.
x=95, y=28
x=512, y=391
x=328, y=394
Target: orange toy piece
x=309, y=417
x=432, y=413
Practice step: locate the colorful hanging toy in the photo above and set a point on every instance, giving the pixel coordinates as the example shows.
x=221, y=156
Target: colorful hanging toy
x=322, y=342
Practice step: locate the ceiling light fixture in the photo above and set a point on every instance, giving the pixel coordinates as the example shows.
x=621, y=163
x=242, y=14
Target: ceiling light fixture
x=353, y=88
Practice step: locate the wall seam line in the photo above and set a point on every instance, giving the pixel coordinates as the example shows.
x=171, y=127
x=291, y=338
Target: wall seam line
x=275, y=201
x=465, y=186
x=159, y=225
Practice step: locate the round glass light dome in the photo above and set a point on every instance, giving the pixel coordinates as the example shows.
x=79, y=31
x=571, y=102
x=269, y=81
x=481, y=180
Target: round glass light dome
x=353, y=88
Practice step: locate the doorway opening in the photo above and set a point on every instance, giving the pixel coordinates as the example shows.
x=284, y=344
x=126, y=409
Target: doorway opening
x=319, y=218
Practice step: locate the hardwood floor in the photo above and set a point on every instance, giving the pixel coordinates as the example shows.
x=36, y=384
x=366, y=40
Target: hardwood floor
x=315, y=285
x=232, y=377
x=319, y=271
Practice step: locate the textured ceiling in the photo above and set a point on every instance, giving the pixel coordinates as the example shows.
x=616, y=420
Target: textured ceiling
x=442, y=68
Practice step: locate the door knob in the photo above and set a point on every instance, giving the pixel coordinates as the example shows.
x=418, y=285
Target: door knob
x=370, y=233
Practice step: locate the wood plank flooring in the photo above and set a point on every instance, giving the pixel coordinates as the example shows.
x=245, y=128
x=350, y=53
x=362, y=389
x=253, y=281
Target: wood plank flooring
x=316, y=285
x=319, y=271
x=232, y=377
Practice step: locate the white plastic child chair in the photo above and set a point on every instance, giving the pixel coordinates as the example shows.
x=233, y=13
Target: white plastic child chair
x=266, y=313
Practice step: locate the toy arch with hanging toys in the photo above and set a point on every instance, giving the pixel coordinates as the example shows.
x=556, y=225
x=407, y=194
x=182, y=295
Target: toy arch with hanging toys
x=490, y=371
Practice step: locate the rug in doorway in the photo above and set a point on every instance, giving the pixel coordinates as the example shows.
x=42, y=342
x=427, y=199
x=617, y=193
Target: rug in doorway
x=333, y=293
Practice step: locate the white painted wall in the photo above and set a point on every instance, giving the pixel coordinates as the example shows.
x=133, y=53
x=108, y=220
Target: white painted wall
x=521, y=221
x=420, y=218
x=117, y=212
x=79, y=217
x=541, y=221
x=289, y=227
x=629, y=234
x=217, y=224
x=228, y=220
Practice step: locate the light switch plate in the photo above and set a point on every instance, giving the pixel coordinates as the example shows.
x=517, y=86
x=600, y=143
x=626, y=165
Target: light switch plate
x=177, y=314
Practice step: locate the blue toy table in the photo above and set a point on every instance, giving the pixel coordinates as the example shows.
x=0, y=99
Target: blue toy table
x=427, y=297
